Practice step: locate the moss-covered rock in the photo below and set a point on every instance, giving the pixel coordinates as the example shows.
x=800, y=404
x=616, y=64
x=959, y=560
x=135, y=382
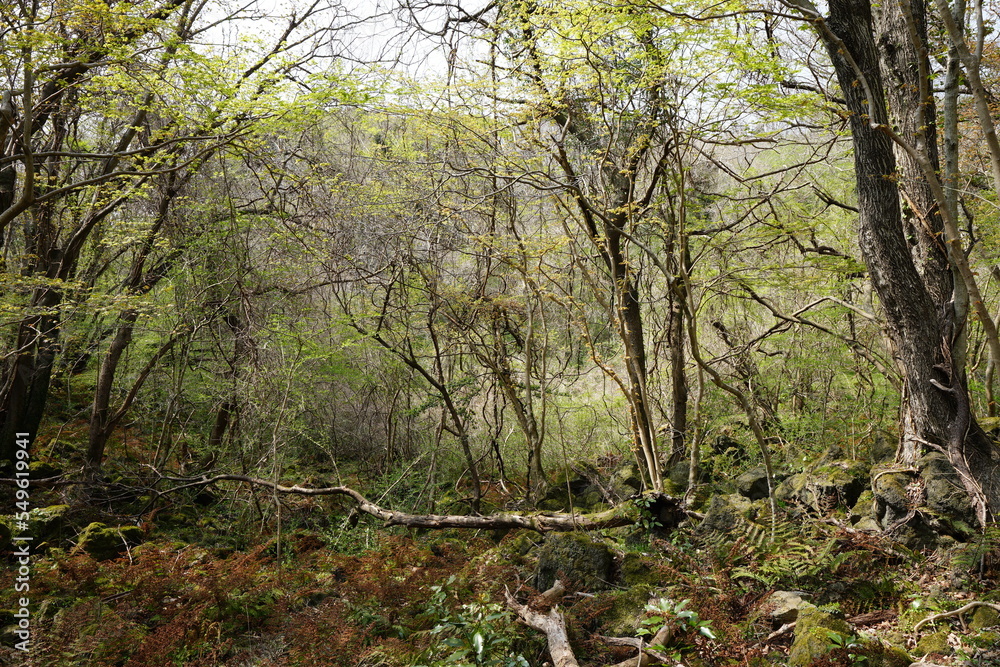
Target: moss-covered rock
x=46, y=524
x=783, y=606
x=626, y=480
x=517, y=545
x=574, y=488
x=725, y=512
x=946, y=498
x=865, y=507
x=104, y=542
x=43, y=470
x=882, y=655
x=753, y=483
x=576, y=559
x=637, y=569
x=826, y=486
x=935, y=642
x=984, y=617
x=891, y=502
x=812, y=635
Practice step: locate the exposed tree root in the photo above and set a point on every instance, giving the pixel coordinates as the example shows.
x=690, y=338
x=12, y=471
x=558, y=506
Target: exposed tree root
x=954, y=612
x=667, y=509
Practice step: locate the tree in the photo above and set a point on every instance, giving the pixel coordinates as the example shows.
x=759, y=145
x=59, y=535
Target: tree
x=924, y=308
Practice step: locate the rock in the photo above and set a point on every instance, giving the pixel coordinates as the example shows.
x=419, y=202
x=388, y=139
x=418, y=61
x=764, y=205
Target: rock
x=42, y=470
x=865, y=507
x=883, y=449
x=984, y=617
x=576, y=559
x=889, y=489
x=888, y=656
x=830, y=485
x=46, y=524
x=753, y=483
x=573, y=488
x=812, y=639
x=627, y=480
x=946, y=497
x=935, y=642
x=638, y=569
x=104, y=542
x=783, y=606
x=625, y=610
x=868, y=524
x=725, y=512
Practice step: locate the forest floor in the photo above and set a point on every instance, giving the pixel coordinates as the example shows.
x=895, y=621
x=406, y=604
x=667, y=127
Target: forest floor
x=206, y=580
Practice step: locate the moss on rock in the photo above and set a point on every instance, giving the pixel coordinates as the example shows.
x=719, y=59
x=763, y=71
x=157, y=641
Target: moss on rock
x=984, y=617
x=637, y=569
x=725, y=512
x=812, y=638
x=626, y=611
x=575, y=558
x=104, y=542
x=935, y=642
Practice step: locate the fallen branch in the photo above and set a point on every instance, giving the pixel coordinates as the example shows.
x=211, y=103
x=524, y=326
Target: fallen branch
x=954, y=612
x=668, y=510
x=542, y=614
x=647, y=654
x=549, y=621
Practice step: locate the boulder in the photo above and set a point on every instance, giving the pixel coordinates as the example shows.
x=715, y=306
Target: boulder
x=46, y=524
x=889, y=490
x=825, y=487
x=104, y=542
x=639, y=569
x=812, y=639
x=783, y=606
x=984, y=617
x=625, y=610
x=935, y=642
x=574, y=488
x=577, y=560
x=753, y=483
x=725, y=512
x=864, y=508
x=945, y=495
x=626, y=480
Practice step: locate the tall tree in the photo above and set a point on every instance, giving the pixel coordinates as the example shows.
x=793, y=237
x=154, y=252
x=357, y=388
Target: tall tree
x=925, y=316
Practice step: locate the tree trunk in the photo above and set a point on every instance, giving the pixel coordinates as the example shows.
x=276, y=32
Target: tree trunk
x=100, y=426
x=923, y=332
x=26, y=387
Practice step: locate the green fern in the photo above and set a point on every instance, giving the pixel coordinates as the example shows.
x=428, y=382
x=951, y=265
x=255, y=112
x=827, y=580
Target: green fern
x=792, y=556
x=978, y=555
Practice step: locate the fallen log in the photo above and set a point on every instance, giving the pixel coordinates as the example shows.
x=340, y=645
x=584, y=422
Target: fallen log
x=665, y=509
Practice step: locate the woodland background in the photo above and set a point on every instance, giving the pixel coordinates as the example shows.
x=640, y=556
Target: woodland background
x=470, y=260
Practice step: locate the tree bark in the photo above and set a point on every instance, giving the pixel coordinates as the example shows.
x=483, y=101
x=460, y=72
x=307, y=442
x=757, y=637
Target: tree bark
x=667, y=510
x=920, y=318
